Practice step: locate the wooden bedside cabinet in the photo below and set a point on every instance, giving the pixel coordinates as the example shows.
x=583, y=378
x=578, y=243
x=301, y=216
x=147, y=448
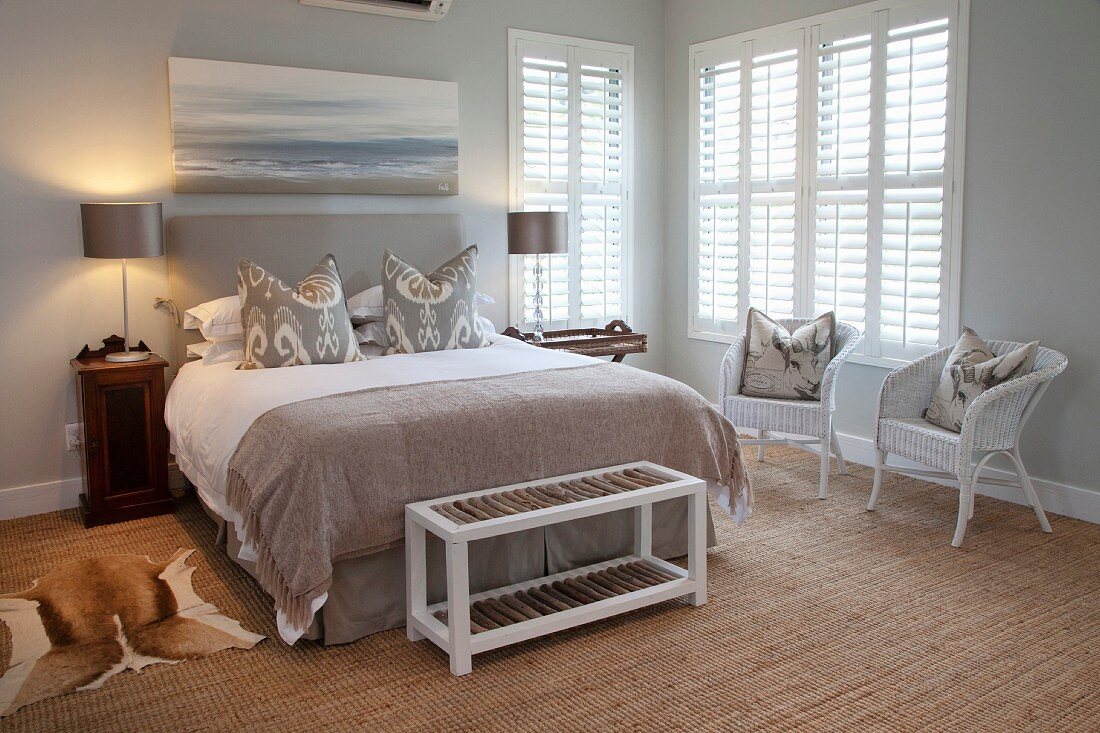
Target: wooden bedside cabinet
x=124, y=457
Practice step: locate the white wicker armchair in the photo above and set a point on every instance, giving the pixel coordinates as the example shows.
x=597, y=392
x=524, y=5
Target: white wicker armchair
x=798, y=417
x=991, y=426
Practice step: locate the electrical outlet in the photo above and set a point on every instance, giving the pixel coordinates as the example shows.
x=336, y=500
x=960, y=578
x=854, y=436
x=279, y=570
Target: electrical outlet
x=73, y=438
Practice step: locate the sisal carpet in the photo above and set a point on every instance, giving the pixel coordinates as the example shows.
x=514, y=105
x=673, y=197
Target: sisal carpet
x=821, y=617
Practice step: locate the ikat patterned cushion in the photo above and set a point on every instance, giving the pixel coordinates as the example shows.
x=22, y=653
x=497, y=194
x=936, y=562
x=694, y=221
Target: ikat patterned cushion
x=432, y=312
x=294, y=325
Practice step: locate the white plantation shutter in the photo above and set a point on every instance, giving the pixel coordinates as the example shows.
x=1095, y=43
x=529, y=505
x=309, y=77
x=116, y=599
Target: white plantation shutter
x=773, y=234
x=545, y=149
x=841, y=184
x=915, y=143
x=845, y=127
x=717, y=194
x=602, y=156
x=572, y=138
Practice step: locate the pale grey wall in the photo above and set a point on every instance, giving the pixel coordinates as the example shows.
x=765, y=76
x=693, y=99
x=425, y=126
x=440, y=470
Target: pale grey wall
x=1031, y=220
x=84, y=116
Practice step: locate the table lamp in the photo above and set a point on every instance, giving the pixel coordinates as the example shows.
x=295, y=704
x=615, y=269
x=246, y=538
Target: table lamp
x=122, y=231
x=538, y=233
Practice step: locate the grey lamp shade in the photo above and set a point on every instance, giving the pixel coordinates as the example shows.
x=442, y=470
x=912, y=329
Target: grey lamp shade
x=114, y=231
x=537, y=233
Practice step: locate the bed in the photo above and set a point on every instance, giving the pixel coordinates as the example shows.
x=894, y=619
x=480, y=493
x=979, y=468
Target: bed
x=213, y=411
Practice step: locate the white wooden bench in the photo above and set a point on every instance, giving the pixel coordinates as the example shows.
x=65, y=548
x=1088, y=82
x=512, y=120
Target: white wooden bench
x=466, y=625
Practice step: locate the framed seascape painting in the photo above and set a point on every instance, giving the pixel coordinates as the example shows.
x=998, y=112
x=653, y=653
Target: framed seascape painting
x=247, y=128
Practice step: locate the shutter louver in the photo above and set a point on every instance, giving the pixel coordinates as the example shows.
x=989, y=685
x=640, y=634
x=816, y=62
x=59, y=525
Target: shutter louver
x=773, y=227
x=841, y=184
x=601, y=192
x=546, y=175
x=912, y=225
x=719, y=180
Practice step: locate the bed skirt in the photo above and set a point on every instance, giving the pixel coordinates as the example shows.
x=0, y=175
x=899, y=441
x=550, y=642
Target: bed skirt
x=368, y=593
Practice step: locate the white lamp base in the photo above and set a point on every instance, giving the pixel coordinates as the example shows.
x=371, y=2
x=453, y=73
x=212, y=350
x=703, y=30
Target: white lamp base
x=124, y=356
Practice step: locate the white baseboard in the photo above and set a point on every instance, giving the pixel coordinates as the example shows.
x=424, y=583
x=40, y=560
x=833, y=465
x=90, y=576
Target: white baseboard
x=22, y=501
x=1069, y=501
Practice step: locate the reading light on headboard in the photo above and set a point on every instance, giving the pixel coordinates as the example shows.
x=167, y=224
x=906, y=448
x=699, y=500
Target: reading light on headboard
x=121, y=231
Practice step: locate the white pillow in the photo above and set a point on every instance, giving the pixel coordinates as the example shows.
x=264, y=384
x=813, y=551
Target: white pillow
x=371, y=351
x=218, y=352
x=217, y=320
x=199, y=350
x=369, y=298
x=366, y=306
x=372, y=333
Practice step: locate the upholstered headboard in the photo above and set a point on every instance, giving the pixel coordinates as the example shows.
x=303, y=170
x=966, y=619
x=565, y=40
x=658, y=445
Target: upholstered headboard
x=203, y=251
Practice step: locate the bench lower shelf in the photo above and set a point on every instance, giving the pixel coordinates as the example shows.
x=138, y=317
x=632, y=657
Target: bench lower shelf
x=545, y=605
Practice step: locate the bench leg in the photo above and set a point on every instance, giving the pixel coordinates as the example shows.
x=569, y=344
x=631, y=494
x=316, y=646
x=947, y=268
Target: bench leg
x=697, y=545
x=416, y=580
x=458, y=608
x=643, y=530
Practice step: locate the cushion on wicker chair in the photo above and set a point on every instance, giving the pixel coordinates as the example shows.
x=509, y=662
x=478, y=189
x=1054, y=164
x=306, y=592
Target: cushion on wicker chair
x=971, y=369
x=786, y=365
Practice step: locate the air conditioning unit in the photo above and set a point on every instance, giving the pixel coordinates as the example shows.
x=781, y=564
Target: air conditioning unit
x=418, y=9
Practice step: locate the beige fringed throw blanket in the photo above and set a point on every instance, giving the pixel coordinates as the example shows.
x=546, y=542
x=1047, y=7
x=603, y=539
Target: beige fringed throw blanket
x=326, y=479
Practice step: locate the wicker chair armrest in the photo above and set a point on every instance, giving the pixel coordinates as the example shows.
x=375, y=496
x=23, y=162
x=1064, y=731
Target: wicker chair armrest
x=828, y=381
x=729, y=378
x=995, y=416
x=908, y=389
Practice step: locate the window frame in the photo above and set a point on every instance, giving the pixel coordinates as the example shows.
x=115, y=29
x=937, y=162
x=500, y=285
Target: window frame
x=516, y=181
x=727, y=47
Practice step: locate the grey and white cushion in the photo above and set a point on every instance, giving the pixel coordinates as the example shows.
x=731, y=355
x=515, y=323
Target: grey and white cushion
x=786, y=365
x=432, y=312
x=971, y=369
x=289, y=326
